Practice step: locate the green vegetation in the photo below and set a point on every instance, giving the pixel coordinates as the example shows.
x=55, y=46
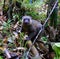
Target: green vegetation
x=37, y=10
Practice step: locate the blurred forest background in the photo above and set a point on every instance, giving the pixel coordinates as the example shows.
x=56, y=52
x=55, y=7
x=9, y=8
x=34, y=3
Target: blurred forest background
x=34, y=8
x=11, y=12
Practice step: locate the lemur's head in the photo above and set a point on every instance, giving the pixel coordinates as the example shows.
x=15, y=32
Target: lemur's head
x=26, y=20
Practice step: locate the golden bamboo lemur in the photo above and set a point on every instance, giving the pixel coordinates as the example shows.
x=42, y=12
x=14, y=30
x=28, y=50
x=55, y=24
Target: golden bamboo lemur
x=32, y=27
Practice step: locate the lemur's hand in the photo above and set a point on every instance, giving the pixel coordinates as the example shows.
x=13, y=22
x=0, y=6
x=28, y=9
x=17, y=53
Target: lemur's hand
x=26, y=37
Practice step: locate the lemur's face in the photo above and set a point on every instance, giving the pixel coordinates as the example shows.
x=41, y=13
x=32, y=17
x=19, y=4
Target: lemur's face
x=26, y=21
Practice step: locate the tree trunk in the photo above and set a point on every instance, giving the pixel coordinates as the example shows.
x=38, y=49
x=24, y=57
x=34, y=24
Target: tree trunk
x=53, y=17
x=10, y=10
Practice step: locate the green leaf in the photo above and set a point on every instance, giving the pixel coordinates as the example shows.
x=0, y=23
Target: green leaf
x=1, y=57
x=56, y=48
x=44, y=38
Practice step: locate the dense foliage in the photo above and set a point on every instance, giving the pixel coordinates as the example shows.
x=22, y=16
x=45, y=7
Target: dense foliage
x=37, y=9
